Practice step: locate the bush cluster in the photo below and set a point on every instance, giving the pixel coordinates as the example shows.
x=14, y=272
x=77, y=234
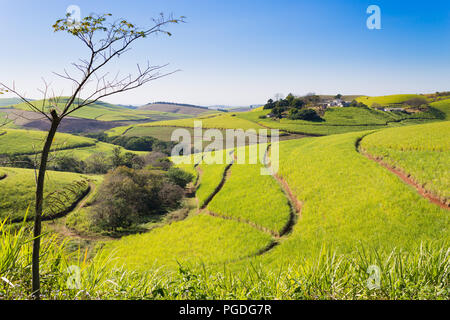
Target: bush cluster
x=135, y=143
x=129, y=196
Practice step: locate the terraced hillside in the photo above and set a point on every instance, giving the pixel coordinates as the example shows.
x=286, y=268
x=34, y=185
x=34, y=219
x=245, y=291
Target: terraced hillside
x=17, y=192
x=176, y=108
x=29, y=142
x=335, y=120
x=14, y=141
x=366, y=205
x=310, y=230
x=351, y=201
x=103, y=111
x=341, y=120
x=386, y=100
x=219, y=121
x=421, y=152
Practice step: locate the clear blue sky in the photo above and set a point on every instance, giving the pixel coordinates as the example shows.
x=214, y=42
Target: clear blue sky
x=239, y=52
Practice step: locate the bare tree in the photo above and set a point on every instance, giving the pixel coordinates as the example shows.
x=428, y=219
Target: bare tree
x=105, y=41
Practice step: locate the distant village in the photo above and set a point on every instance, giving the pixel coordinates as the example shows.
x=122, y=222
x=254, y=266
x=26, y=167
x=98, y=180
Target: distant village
x=312, y=107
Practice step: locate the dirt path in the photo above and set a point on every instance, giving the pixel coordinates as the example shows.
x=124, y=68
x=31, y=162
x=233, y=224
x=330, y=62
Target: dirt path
x=295, y=212
x=408, y=180
x=128, y=129
x=81, y=200
x=294, y=204
x=225, y=176
x=82, y=203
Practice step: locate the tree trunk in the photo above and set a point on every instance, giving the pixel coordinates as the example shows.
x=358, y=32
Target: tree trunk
x=36, y=290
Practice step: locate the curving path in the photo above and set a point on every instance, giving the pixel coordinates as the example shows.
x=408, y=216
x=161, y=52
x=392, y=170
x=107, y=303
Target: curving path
x=294, y=203
x=406, y=178
x=77, y=204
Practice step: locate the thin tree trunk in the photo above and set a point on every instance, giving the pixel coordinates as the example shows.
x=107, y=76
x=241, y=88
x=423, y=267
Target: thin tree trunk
x=36, y=289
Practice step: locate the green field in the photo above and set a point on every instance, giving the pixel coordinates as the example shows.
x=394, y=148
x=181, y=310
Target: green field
x=251, y=197
x=386, y=100
x=210, y=177
x=240, y=199
x=443, y=106
x=17, y=191
x=201, y=238
x=423, y=151
x=161, y=133
x=82, y=153
x=103, y=111
x=29, y=142
x=335, y=120
x=15, y=141
x=241, y=236
x=350, y=201
x=339, y=120
x=220, y=121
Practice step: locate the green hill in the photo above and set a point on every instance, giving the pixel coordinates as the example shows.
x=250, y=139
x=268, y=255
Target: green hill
x=104, y=111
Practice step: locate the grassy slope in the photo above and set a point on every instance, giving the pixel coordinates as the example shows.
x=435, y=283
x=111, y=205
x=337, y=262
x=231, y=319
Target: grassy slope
x=17, y=190
x=107, y=112
x=210, y=180
x=161, y=133
x=250, y=196
x=350, y=200
x=422, y=151
x=29, y=141
x=221, y=121
x=443, y=106
x=200, y=238
x=336, y=120
x=100, y=147
x=4, y=102
x=385, y=100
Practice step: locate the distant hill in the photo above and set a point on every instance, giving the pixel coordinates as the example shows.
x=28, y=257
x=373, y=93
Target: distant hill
x=226, y=108
x=175, y=108
x=128, y=106
x=10, y=101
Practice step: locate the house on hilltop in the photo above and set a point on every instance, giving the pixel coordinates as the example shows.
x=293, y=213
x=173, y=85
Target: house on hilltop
x=335, y=103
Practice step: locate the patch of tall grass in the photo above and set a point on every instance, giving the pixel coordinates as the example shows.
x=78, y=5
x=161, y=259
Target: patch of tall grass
x=423, y=151
x=349, y=199
x=17, y=191
x=423, y=274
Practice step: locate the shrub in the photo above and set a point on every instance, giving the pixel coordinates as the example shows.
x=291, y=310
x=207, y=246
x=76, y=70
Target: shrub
x=68, y=163
x=170, y=195
x=98, y=163
x=305, y=114
x=179, y=177
x=129, y=196
x=416, y=102
x=157, y=160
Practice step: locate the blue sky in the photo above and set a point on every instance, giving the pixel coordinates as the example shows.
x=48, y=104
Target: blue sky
x=243, y=52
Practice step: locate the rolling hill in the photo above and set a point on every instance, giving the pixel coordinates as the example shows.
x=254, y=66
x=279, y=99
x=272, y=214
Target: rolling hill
x=178, y=108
